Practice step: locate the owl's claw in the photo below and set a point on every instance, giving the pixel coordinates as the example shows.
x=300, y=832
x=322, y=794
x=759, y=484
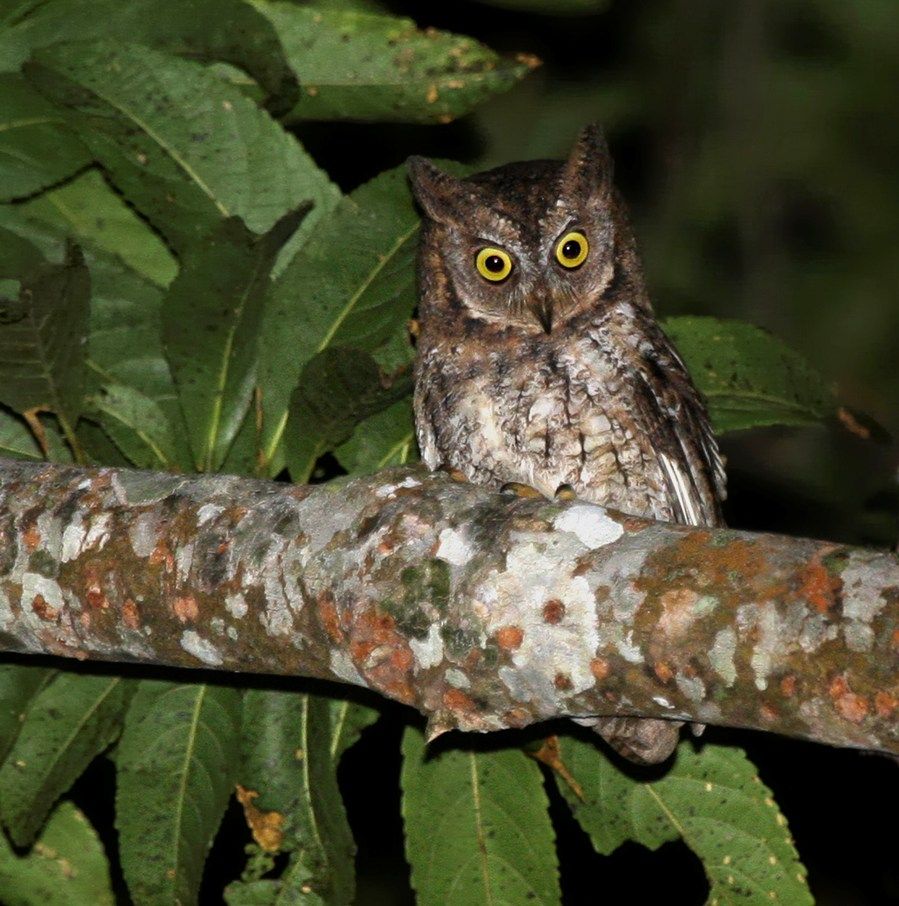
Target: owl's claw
x=455, y=474
x=565, y=492
x=517, y=489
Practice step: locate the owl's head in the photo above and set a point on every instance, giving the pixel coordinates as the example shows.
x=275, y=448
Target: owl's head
x=530, y=244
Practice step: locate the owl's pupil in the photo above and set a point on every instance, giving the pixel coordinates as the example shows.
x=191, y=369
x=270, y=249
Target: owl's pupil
x=571, y=249
x=494, y=264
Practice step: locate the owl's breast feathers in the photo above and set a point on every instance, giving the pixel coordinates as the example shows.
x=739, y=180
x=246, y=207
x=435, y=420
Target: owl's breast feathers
x=606, y=406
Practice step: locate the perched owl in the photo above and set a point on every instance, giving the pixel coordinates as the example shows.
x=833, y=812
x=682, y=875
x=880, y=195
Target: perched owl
x=540, y=360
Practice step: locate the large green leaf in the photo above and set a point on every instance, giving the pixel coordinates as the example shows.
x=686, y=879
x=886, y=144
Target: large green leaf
x=36, y=147
x=66, y=866
x=352, y=284
x=89, y=211
x=477, y=828
x=203, y=29
x=363, y=66
x=712, y=800
x=384, y=439
x=338, y=389
x=288, y=761
x=177, y=763
x=211, y=317
x=185, y=148
x=748, y=376
x=19, y=684
x=42, y=339
x=69, y=723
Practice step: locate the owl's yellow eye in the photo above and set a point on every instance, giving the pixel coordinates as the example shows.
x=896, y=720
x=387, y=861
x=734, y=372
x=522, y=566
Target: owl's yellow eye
x=572, y=249
x=493, y=264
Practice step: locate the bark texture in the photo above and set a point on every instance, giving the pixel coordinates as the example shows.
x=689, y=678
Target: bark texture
x=480, y=611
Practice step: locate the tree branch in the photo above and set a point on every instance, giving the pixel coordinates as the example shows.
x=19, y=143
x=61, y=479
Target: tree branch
x=480, y=611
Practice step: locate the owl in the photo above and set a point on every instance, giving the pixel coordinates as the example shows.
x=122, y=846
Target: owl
x=541, y=364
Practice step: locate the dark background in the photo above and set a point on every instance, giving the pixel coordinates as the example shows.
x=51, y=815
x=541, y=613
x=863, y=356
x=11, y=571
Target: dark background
x=756, y=142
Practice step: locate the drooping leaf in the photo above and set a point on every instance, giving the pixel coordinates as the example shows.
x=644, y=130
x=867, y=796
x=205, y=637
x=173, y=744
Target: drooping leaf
x=36, y=147
x=384, y=439
x=749, y=377
x=211, y=318
x=338, y=389
x=42, y=339
x=16, y=439
x=93, y=214
x=227, y=30
x=185, y=148
x=19, y=684
x=348, y=720
x=713, y=800
x=352, y=284
x=293, y=888
x=137, y=425
x=66, y=866
x=363, y=66
x=176, y=764
x=477, y=829
x=71, y=721
x=288, y=761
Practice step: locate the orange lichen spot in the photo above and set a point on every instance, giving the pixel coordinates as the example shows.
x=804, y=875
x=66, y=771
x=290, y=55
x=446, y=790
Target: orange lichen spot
x=457, y=700
x=819, y=587
x=327, y=613
x=894, y=640
x=562, y=682
x=852, y=706
x=663, y=671
x=600, y=668
x=266, y=827
x=44, y=609
x=402, y=658
x=186, y=608
x=162, y=555
x=788, y=686
x=553, y=611
x=130, y=614
x=31, y=537
x=509, y=637
x=885, y=704
x=93, y=593
x=768, y=712
x=678, y=612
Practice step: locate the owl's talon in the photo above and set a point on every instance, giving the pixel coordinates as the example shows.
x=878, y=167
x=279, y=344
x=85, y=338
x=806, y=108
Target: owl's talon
x=517, y=489
x=565, y=492
x=455, y=474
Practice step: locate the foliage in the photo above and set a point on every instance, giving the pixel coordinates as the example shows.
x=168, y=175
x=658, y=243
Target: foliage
x=183, y=287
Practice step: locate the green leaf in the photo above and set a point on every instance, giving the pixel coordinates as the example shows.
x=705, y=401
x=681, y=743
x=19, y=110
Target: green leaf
x=348, y=720
x=713, y=801
x=186, y=149
x=16, y=440
x=42, y=338
x=288, y=760
x=362, y=303
x=338, y=389
x=363, y=66
x=93, y=214
x=137, y=425
x=37, y=149
x=202, y=29
x=384, y=439
x=477, y=829
x=177, y=763
x=66, y=867
x=70, y=722
x=748, y=376
x=293, y=888
x=19, y=684
x=211, y=318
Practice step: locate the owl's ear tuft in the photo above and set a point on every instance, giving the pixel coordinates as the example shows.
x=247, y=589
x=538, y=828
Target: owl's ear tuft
x=441, y=196
x=587, y=174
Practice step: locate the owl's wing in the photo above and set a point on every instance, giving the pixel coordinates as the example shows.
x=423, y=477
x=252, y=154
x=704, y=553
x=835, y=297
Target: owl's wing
x=427, y=439
x=682, y=434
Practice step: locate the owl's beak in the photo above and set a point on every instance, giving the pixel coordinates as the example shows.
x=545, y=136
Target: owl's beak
x=543, y=312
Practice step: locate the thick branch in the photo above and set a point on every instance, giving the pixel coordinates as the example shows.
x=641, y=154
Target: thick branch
x=481, y=612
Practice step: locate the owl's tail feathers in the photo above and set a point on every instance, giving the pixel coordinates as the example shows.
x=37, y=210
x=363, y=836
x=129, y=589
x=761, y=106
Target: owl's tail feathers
x=640, y=740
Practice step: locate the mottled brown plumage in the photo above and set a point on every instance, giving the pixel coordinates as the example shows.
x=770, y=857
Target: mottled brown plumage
x=556, y=375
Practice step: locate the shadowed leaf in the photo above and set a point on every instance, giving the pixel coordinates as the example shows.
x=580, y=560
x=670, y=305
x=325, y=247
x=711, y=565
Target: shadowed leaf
x=19, y=684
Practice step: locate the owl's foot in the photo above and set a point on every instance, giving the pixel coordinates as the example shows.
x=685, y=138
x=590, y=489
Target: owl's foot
x=517, y=489
x=565, y=492
x=455, y=474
